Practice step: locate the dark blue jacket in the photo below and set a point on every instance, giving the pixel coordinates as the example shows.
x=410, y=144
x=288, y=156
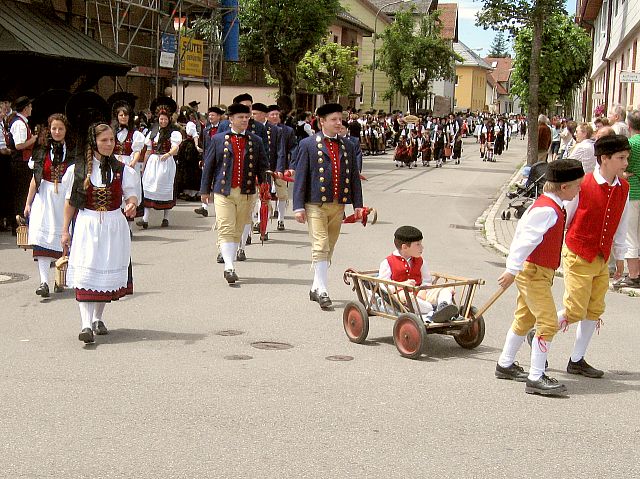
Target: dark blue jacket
x=218, y=165
x=314, y=176
x=356, y=145
x=290, y=143
x=276, y=146
x=254, y=127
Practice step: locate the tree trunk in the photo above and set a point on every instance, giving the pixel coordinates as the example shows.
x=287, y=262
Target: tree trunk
x=413, y=100
x=534, y=86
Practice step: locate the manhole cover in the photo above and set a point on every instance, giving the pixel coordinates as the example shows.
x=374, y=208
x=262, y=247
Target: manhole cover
x=339, y=357
x=12, y=277
x=617, y=372
x=271, y=345
x=238, y=357
x=229, y=332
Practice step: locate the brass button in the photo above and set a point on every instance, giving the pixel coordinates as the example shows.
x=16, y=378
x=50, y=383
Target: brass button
x=248, y=182
x=346, y=190
x=319, y=153
x=346, y=162
x=321, y=170
x=226, y=150
x=322, y=179
x=347, y=171
x=347, y=180
x=223, y=182
x=250, y=165
x=344, y=200
x=320, y=146
x=251, y=157
x=224, y=173
x=226, y=137
x=226, y=143
x=320, y=160
x=324, y=198
x=323, y=189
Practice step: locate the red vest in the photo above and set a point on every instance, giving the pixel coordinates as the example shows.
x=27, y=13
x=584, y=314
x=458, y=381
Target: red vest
x=239, y=143
x=126, y=147
x=26, y=153
x=402, y=271
x=547, y=254
x=597, y=218
x=105, y=198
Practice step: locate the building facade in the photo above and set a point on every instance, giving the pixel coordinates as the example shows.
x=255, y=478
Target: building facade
x=471, y=80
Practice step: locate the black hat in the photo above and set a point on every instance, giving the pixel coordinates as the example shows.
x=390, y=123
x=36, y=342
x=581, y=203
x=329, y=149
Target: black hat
x=215, y=109
x=237, y=108
x=329, y=108
x=610, y=144
x=408, y=234
x=21, y=103
x=260, y=107
x=194, y=103
x=243, y=97
x=271, y=108
x=564, y=171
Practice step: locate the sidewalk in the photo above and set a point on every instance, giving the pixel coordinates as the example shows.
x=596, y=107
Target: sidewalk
x=498, y=233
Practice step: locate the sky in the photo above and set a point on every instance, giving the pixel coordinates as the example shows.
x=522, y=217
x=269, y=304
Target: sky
x=476, y=37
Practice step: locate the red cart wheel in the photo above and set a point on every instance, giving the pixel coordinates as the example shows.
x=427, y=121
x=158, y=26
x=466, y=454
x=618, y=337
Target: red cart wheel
x=356, y=322
x=471, y=336
x=409, y=335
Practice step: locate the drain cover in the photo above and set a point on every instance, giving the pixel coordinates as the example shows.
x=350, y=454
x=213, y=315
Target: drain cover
x=229, y=332
x=339, y=357
x=238, y=357
x=6, y=278
x=271, y=345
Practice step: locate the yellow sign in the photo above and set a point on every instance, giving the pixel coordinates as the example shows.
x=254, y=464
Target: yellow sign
x=191, y=55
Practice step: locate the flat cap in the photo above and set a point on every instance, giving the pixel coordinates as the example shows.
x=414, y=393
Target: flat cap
x=610, y=144
x=408, y=234
x=564, y=171
x=329, y=108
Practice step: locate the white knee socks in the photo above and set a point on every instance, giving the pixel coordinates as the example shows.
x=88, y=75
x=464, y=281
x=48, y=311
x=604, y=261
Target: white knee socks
x=586, y=327
x=445, y=296
x=512, y=344
x=43, y=266
x=245, y=234
x=98, y=309
x=205, y=206
x=86, y=314
x=320, y=276
x=228, y=251
x=166, y=214
x=282, y=206
x=145, y=217
x=539, y=351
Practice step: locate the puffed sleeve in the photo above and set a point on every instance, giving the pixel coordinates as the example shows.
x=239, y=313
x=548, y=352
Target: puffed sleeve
x=67, y=181
x=147, y=140
x=191, y=129
x=138, y=141
x=176, y=138
x=131, y=184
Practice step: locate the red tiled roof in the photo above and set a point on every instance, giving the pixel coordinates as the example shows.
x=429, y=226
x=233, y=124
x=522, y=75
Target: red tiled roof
x=449, y=18
x=502, y=68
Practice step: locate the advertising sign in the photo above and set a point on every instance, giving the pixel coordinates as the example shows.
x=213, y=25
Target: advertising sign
x=191, y=57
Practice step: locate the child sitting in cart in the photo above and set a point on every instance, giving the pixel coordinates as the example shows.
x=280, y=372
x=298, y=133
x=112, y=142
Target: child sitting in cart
x=406, y=265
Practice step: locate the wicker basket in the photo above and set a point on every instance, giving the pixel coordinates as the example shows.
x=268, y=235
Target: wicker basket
x=61, y=274
x=22, y=234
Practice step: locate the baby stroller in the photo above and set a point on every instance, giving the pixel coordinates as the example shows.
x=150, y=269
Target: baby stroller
x=524, y=195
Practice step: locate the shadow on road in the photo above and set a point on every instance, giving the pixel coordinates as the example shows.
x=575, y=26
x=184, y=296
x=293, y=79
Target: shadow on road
x=246, y=280
x=122, y=336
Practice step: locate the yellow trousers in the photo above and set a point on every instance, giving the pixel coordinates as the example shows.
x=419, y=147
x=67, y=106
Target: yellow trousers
x=231, y=214
x=282, y=191
x=535, y=306
x=324, y=221
x=585, y=285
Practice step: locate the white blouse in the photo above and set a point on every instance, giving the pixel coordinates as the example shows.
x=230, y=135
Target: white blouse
x=137, y=142
x=176, y=139
x=130, y=181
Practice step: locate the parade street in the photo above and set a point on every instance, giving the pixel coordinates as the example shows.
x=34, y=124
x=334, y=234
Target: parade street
x=179, y=390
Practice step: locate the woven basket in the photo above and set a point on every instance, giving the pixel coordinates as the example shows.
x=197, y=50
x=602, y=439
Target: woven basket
x=61, y=273
x=22, y=233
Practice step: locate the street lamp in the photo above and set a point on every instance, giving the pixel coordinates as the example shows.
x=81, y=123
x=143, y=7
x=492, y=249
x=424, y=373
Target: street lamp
x=375, y=31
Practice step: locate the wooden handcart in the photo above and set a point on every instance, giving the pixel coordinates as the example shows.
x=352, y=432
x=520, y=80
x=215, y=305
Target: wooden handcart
x=375, y=298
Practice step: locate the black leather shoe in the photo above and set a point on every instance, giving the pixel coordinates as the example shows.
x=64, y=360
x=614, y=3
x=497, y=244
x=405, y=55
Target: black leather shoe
x=164, y=223
x=256, y=228
x=515, y=372
x=201, y=211
x=248, y=242
x=86, y=336
x=313, y=295
x=101, y=329
x=583, y=368
x=220, y=259
x=230, y=275
x=240, y=256
x=43, y=290
x=324, y=300
x=444, y=313
x=280, y=225
x=545, y=386
x=144, y=224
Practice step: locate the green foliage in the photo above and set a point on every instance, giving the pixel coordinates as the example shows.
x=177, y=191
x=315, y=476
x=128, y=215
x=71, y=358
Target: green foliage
x=499, y=47
x=512, y=15
x=414, y=57
x=278, y=33
x=565, y=60
x=329, y=70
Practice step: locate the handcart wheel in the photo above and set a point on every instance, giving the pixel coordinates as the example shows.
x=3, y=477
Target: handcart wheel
x=519, y=212
x=356, y=322
x=409, y=335
x=471, y=336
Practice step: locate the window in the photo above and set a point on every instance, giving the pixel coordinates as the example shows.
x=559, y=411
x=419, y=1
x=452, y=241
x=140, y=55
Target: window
x=457, y=80
x=604, y=12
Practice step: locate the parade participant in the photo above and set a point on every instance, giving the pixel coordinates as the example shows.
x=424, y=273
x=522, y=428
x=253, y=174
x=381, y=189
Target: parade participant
x=425, y=147
x=344, y=131
x=129, y=141
x=406, y=265
x=234, y=163
x=100, y=255
x=45, y=201
x=214, y=115
x=533, y=258
x=597, y=226
x=189, y=156
x=289, y=144
x=326, y=180
x=6, y=183
x=159, y=171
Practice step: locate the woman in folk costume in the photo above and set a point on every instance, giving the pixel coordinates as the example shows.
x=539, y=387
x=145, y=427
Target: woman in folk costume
x=100, y=254
x=45, y=201
x=159, y=171
x=129, y=141
x=189, y=157
x=425, y=147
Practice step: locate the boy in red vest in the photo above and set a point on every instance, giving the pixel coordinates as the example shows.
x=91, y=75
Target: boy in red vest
x=405, y=265
x=534, y=256
x=597, y=227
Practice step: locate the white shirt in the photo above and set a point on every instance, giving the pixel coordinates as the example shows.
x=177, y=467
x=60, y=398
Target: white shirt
x=137, y=141
x=385, y=270
x=131, y=186
x=584, y=153
x=192, y=130
x=619, y=247
x=19, y=130
x=529, y=233
x=621, y=128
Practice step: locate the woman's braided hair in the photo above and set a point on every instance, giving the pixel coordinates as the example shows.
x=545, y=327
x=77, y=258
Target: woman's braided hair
x=92, y=148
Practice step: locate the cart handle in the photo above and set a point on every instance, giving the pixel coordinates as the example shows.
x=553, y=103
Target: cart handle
x=490, y=302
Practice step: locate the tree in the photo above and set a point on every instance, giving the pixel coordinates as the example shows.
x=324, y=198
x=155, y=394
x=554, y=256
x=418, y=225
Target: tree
x=414, y=57
x=329, y=70
x=499, y=47
x=278, y=33
x=565, y=60
x=511, y=16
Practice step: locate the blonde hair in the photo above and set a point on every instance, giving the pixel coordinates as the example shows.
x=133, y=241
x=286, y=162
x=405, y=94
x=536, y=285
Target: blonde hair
x=555, y=187
x=92, y=147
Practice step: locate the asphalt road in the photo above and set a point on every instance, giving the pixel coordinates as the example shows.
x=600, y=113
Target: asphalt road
x=166, y=396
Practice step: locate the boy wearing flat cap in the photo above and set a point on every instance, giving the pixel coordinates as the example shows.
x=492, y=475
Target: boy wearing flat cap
x=406, y=265
x=597, y=227
x=533, y=258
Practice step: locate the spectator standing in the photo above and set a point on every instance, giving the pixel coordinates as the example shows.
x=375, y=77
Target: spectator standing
x=583, y=149
x=617, y=116
x=544, y=138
